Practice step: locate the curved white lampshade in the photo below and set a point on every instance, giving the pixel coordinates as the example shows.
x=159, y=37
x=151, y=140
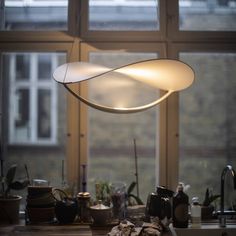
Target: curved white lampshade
x=165, y=74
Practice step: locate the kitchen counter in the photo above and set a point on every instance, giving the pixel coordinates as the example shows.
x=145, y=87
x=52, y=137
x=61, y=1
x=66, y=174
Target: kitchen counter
x=50, y=230
x=206, y=229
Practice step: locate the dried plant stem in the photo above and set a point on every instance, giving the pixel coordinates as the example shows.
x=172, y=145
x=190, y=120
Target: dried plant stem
x=136, y=167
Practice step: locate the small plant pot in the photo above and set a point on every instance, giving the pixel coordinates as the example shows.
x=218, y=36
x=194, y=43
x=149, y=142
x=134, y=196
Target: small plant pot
x=9, y=209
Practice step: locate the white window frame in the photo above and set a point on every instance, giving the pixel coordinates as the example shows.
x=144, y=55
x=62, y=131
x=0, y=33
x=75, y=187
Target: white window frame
x=33, y=84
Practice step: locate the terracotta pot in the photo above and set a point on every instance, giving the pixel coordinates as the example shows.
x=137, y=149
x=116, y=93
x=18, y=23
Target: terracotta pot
x=9, y=209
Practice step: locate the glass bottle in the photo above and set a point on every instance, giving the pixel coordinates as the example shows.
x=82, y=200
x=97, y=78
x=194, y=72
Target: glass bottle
x=180, y=208
x=195, y=213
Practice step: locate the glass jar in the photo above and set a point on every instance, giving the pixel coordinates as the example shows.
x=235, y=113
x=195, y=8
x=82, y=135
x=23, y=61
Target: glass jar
x=118, y=198
x=83, y=207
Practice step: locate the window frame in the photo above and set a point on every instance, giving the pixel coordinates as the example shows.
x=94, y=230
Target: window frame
x=72, y=41
x=73, y=106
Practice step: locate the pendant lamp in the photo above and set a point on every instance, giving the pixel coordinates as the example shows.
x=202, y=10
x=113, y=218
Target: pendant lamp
x=165, y=74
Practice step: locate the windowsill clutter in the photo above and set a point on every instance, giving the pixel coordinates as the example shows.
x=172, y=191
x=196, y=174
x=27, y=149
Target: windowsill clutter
x=165, y=213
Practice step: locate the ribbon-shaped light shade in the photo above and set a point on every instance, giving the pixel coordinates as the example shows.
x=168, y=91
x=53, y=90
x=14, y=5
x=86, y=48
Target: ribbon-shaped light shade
x=164, y=74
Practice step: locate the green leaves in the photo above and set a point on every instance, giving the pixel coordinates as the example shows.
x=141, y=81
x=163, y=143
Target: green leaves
x=10, y=174
x=8, y=180
x=131, y=196
x=2, y=179
x=209, y=198
x=18, y=185
x=137, y=199
x=131, y=187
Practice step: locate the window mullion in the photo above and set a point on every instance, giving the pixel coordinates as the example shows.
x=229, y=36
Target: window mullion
x=12, y=106
x=33, y=103
x=54, y=104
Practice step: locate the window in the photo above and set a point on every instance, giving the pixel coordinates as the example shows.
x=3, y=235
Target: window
x=207, y=127
x=205, y=15
x=34, y=116
x=32, y=98
x=42, y=124
x=118, y=15
x=34, y=15
x=111, y=136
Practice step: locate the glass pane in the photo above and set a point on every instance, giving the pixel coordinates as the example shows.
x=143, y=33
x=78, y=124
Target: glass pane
x=207, y=15
x=21, y=118
x=34, y=15
x=135, y=15
x=207, y=124
x=44, y=113
x=111, y=136
x=44, y=66
x=36, y=121
x=22, y=67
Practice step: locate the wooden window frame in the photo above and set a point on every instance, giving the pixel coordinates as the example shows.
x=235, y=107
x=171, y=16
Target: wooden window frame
x=72, y=41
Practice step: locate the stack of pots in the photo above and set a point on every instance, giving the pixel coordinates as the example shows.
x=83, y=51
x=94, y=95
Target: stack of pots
x=40, y=204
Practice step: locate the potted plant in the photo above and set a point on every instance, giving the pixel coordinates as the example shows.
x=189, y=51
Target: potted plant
x=207, y=206
x=103, y=190
x=135, y=206
x=9, y=203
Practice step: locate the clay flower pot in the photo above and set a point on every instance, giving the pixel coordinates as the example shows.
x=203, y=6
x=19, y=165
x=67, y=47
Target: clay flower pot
x=9, y=209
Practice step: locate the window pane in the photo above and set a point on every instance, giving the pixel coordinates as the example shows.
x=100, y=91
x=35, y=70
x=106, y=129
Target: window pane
x=36, y=120
x=21, y=118
x=207, y=123
x=207, y=15
x=22, y=67
x=111, y=136
x=135, y=15
x=34, y=15
x=44, y=113
x=44, y=66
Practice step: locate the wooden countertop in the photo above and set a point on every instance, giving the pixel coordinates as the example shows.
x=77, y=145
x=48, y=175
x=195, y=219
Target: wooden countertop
x=52, y=230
